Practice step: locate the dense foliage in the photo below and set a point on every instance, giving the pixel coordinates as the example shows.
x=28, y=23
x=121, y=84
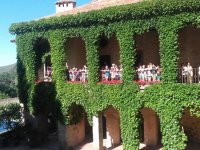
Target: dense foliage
x=167, y=99
x=11, y=116
x=8, y=85
x=11, y=119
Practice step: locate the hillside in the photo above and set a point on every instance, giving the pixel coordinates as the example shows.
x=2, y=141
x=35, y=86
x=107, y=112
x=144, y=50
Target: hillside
x=9, y=68
x=8, y=81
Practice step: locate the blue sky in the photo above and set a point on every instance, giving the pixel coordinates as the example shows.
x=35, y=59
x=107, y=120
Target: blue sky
x=16, y=11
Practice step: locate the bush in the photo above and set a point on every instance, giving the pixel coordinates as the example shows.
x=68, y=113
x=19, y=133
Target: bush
x=11, y=120
x=11, y=116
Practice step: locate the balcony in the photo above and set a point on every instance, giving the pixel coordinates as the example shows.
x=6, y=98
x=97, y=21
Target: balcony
x=48, y=74
x=77, y=75
x=111, y=75
x=189, y=76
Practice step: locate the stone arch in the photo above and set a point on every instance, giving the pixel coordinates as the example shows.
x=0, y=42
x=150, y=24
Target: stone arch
x=113, y=132
x=189, y=45
x=109, y=55
x=191, y=126
x=150, y=129
x=109, y=47
x=75, y=52
x=43, y=58
x=76, y=64
x=147, y=48
x=147, y=54
x=78, y=131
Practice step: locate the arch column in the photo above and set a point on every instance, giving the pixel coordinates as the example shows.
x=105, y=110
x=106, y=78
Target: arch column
x=92, y=57
x=57, y=49
x=97, y=132
x=127, y=53
x=168, y=38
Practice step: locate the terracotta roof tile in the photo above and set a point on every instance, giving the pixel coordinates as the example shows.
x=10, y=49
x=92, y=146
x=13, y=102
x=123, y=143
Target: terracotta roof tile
x=96, y=5
x=63, y=1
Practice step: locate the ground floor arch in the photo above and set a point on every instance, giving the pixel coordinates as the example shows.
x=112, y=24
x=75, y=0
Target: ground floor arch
x=149, y=130
x=191, y=126
x=106, y=130
x=188, y=62
x=75, y=135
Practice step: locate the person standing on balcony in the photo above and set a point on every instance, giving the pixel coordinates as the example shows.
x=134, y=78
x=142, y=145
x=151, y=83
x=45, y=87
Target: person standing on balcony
x=158, y=73
x=83, y=74
x=112, y=72
x=107, y=73
x=184, y=72
x=190, y=73
x=139, y=71
x=153, y=72
x=49, y=71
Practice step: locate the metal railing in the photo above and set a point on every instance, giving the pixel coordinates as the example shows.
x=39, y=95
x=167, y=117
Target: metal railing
x=189, y=77
x=108, y=76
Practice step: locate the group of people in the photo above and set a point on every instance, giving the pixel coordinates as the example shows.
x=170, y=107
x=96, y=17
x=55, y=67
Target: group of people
x=190, y=74
x=187, y=73
x=75, y=74
x=149, y=73
x=112, y=73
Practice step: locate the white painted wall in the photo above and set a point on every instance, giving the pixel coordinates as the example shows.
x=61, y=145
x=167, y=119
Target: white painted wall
x=65, y=7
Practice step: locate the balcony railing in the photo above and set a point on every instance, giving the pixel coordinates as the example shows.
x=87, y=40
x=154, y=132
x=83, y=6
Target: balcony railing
x=109, y=76
x=192, y=76
x=78, y=76
x=48, y=72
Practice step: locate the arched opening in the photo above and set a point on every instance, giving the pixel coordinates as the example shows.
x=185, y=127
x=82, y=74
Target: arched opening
x=150, y=135
x=191, y=127
x=43, y=60
x=110, y=67
x=147, y=58
x=111, y=129
x=76, y=69
x=79, y=132
x=189, y=54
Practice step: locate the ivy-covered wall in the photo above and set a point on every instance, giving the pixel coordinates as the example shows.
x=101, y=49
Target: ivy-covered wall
x=168, y=99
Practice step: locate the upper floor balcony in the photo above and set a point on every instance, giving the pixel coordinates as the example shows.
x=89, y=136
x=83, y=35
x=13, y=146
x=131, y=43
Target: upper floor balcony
x=110, y=63
x=188, y=75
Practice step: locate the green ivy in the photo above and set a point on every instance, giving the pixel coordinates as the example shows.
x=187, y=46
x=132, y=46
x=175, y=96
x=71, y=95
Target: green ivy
x=167, y=99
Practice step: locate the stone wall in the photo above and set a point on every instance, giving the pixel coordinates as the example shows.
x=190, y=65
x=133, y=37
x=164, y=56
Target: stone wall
x=41, y=73
x=75, y=53
x=151, y=127
x=112, y=127
x=148, y=45
x=71, y=135
x=191, y=126
x=112, y=49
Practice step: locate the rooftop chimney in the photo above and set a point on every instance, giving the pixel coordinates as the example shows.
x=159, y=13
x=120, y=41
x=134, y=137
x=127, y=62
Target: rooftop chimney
x=65, y=5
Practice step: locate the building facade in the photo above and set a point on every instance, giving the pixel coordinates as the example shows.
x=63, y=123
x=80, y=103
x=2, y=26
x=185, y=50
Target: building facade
x=93, y=54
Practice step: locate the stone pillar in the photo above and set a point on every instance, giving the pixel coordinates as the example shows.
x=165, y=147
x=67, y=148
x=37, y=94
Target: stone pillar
x=108, y=140
x=150, y=127
x=113, y=128
x=62, y=136
x=97, y=132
